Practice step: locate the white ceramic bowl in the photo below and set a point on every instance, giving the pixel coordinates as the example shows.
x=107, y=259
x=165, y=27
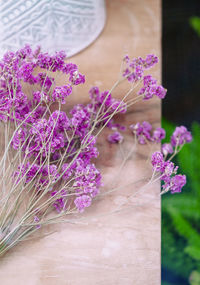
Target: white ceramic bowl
x=69, y=25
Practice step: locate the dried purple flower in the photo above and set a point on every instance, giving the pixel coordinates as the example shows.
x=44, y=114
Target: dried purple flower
x=180, y=136
x=76, y=78
x=82, y=202
x=167, y=149
x=158, y=135
x=177, y=183
x=116, y=137
x=157, y=161
x=151, y=88
x=142, y=131
x=59, y=121
x=60, y=93
x=150, y=61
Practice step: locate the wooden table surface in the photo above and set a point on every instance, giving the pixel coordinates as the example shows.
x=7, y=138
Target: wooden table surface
x=118, y=240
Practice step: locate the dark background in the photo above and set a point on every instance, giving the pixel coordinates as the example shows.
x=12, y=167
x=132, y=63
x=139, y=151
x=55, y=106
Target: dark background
x=181, y=61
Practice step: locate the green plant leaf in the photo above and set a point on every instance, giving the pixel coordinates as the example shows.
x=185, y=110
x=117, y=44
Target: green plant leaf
x=185, y=204
x=173, y=256
x=195, y=24
x=184, y=228
x=193, y=251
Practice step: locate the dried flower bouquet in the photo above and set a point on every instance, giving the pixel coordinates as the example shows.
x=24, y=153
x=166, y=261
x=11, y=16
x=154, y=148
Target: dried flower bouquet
x=48, y=158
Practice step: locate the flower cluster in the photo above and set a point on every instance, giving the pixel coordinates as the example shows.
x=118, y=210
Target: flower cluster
x=151, y=88
x=134, y=72
x=53, y=152
x=135, y=68
x=167, y=170
x=143, y=132
x=105, y=104
x=179, y=137
x=115, y=137
x=57, y=148
x=18, y=67
x=172, y=181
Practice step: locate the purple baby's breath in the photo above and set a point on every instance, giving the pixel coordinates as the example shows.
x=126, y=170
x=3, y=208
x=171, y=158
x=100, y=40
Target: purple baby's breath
x=177, y=183
x=62, y=145
x=158, y=135
x=76, y=78
x=134, y=69
x=150, y=61
x=55, y=153
x=181, y=136
x=59, y=121
x=157, y=161
x=151, y=88
x=60, y=93
x=116, y=137
x=142, y=131
x=82, y=202
x=172, y=181
x=167, y=149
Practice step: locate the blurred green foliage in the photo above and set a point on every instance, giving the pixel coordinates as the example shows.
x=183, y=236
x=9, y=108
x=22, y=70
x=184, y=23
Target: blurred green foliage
x=181, y=213
x=195, y=24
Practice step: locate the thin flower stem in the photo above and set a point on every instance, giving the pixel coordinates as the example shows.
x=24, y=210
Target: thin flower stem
x=18, y=127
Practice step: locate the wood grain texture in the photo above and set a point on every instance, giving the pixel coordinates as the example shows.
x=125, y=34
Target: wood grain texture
x=117, y=242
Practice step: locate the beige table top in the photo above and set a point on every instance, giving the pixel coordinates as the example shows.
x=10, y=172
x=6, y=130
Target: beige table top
x=108, y=247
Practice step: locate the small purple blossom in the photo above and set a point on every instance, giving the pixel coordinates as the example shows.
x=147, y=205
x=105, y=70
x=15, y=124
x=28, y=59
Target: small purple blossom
x=32, y=171
x=59, y=203
x=169, y=169
x=59, y=121
x=76, y=78
x=167, y=149
x=116, y=137
x=94, y=93
x=151, y=88
x=157, y=161
x=174, y=184
x=172, y=181
x=150, y=61
x=80, y=120
x=50, y=171
x=149, y=80
x=45, y=81
x=158, y=135
x=69, y=68
x=25, y=72
x=177, y=183
x=180, y=136
x=82, y=202
x=106, y=100
x=60, y=93
x=52, y=63
x=134, y=68
x=19, y=138
x=142, y=131
x=36, y=220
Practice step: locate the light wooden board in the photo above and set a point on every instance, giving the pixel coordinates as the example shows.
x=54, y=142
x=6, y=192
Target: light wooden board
x=110, y=247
